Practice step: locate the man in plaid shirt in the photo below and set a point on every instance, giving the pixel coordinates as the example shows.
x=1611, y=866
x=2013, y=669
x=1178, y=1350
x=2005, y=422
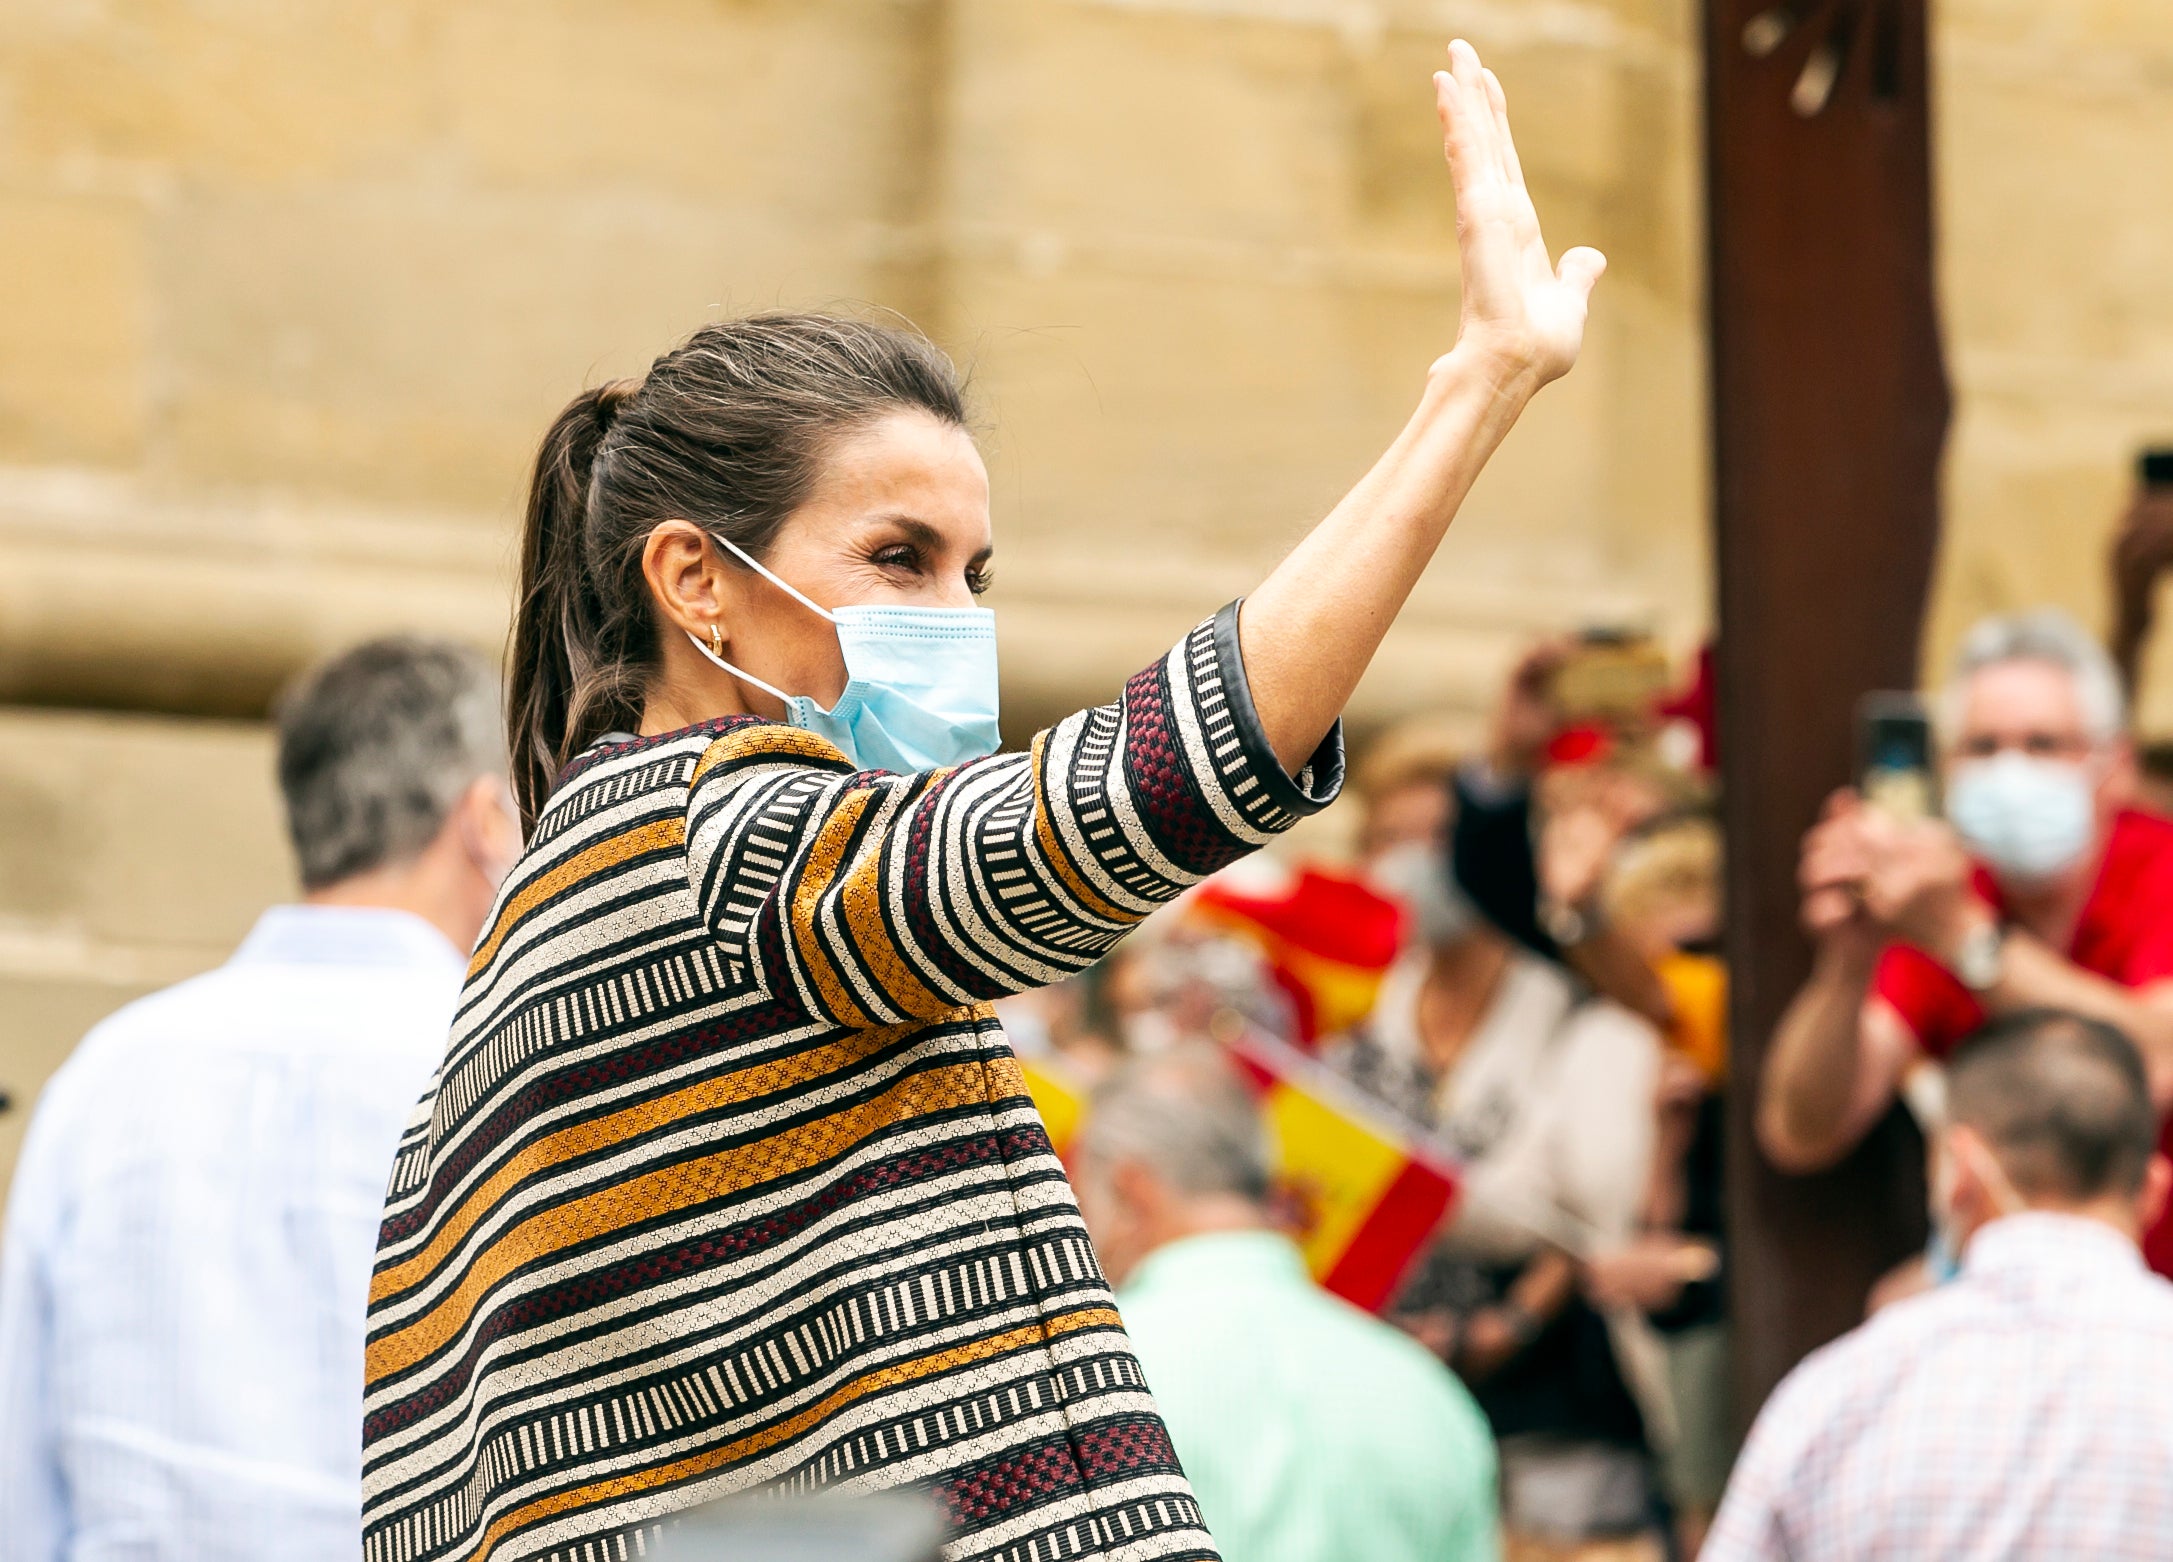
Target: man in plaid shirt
x=2024, y=1410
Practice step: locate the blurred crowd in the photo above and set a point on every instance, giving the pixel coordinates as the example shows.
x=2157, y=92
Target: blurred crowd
x=1517, y=957
x=1463, y=1067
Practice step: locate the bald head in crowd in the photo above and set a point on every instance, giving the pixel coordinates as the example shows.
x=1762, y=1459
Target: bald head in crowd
x=2049, y=1110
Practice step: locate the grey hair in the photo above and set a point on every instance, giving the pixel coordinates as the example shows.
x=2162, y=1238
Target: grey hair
x=2042, y=635
x=1188, y=1118
x=377, y=745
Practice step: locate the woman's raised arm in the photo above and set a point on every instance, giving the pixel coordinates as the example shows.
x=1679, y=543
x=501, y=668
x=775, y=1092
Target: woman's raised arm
x=1310, y=630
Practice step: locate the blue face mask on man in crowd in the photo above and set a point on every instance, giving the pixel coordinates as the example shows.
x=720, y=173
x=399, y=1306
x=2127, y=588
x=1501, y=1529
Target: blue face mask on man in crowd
x=2028, y=818
x=920, y=682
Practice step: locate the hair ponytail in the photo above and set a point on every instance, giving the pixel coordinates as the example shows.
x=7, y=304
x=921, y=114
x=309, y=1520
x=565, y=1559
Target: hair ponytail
x=728, y=430
x=567, y=684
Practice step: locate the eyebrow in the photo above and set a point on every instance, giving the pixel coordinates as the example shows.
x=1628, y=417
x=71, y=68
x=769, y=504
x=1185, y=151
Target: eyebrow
x=920, y=532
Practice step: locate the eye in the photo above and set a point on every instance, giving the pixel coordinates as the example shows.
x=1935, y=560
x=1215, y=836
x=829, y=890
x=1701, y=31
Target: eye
x=979, y=580
x=898, y=556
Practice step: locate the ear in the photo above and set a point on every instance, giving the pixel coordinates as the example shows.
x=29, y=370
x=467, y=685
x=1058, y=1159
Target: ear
x=686, y=580
x=488, y=826
x=1969, y=1197
x=1138, y=1190
x=2150, y=1202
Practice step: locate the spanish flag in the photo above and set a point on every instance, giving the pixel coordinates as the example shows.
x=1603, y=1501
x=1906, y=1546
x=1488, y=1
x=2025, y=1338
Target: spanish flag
x=1361, y=1190
x=1329, y=939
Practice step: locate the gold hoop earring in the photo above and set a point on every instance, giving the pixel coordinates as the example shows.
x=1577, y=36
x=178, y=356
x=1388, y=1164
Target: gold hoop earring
x=716, y=642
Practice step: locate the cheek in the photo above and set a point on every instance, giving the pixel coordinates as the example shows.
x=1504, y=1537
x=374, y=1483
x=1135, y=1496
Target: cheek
x=785, y=644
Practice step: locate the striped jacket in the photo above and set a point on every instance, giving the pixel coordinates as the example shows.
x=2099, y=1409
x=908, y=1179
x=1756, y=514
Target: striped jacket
x=729, y=1179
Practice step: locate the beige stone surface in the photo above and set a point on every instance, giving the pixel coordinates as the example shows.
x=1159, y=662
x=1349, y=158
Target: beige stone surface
x=2056, y=130
x=73, y=382
x=1199, y=252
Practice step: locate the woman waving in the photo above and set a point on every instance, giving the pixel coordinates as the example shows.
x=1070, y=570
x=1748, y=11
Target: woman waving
x=728, y=1178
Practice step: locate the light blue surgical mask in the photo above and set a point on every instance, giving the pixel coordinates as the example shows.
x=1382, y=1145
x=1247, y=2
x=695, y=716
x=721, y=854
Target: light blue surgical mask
x=2030, y=819
x=920, y=682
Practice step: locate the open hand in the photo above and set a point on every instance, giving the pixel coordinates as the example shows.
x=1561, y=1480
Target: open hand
x=1521, y=313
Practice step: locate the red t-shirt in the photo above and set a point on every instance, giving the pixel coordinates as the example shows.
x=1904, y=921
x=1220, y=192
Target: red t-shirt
x=2125, y=933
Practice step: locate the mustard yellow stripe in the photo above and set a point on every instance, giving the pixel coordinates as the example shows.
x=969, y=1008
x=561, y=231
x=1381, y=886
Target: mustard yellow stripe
x=658, y=835
x=1045, y=833
x=819, y=866
x=666, y=1190
x=766, y=742
x=860, y=897
x=738, y=1088
x=896, y=1375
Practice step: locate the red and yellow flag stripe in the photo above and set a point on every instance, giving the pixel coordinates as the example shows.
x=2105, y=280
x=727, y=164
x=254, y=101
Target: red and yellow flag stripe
x=1363, y=1190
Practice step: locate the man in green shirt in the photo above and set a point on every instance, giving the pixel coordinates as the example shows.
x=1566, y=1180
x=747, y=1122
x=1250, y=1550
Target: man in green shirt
x=1310, y=1431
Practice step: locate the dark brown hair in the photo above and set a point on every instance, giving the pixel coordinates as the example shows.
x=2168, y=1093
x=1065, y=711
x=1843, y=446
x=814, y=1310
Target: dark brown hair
x=728, y=430
x=2062, y=1099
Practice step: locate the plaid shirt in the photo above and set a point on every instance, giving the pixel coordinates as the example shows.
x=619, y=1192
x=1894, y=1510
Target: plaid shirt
x=2023, y=1411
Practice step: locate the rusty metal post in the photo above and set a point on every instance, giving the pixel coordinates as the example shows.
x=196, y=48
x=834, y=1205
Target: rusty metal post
x=1829, y=413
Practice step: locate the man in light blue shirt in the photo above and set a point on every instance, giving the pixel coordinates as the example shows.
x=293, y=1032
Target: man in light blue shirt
x=1310, y=1431
x=194, y=1216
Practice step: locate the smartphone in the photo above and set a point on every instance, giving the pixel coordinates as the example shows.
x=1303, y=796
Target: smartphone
x=1611, y=677
x=2154, y=467
x=1894, y=767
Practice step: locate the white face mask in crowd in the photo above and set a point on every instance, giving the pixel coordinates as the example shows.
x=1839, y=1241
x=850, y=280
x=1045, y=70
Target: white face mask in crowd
x=2029, y=818
x=1419, y=876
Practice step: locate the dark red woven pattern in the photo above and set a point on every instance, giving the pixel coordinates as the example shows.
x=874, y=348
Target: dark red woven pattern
x=1022, y=1478
x=919, y=845
x=1124, y=1446
x=1161, y=1517
x=1112, y=1450
x=1162, y=786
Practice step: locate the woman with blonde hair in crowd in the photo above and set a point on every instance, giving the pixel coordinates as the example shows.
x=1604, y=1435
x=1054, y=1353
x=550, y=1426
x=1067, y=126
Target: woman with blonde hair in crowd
x=728, y=1178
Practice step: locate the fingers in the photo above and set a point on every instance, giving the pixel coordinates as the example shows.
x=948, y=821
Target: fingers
x=1505, y=146
x=1828, y=911
x=1581, y=268
x=1833, y=857
x=1470, y=78
x=1841, y=801
x=1467, y=120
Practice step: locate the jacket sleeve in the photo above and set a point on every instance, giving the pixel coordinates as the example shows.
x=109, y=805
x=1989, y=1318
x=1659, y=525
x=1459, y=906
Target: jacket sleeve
x=877, y=898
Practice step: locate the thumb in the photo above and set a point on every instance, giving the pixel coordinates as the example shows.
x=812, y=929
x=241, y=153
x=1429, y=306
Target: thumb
x=1581, y=268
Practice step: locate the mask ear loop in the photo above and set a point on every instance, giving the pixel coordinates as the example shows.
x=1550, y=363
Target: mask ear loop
x=770, y=689
x=785, y=586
